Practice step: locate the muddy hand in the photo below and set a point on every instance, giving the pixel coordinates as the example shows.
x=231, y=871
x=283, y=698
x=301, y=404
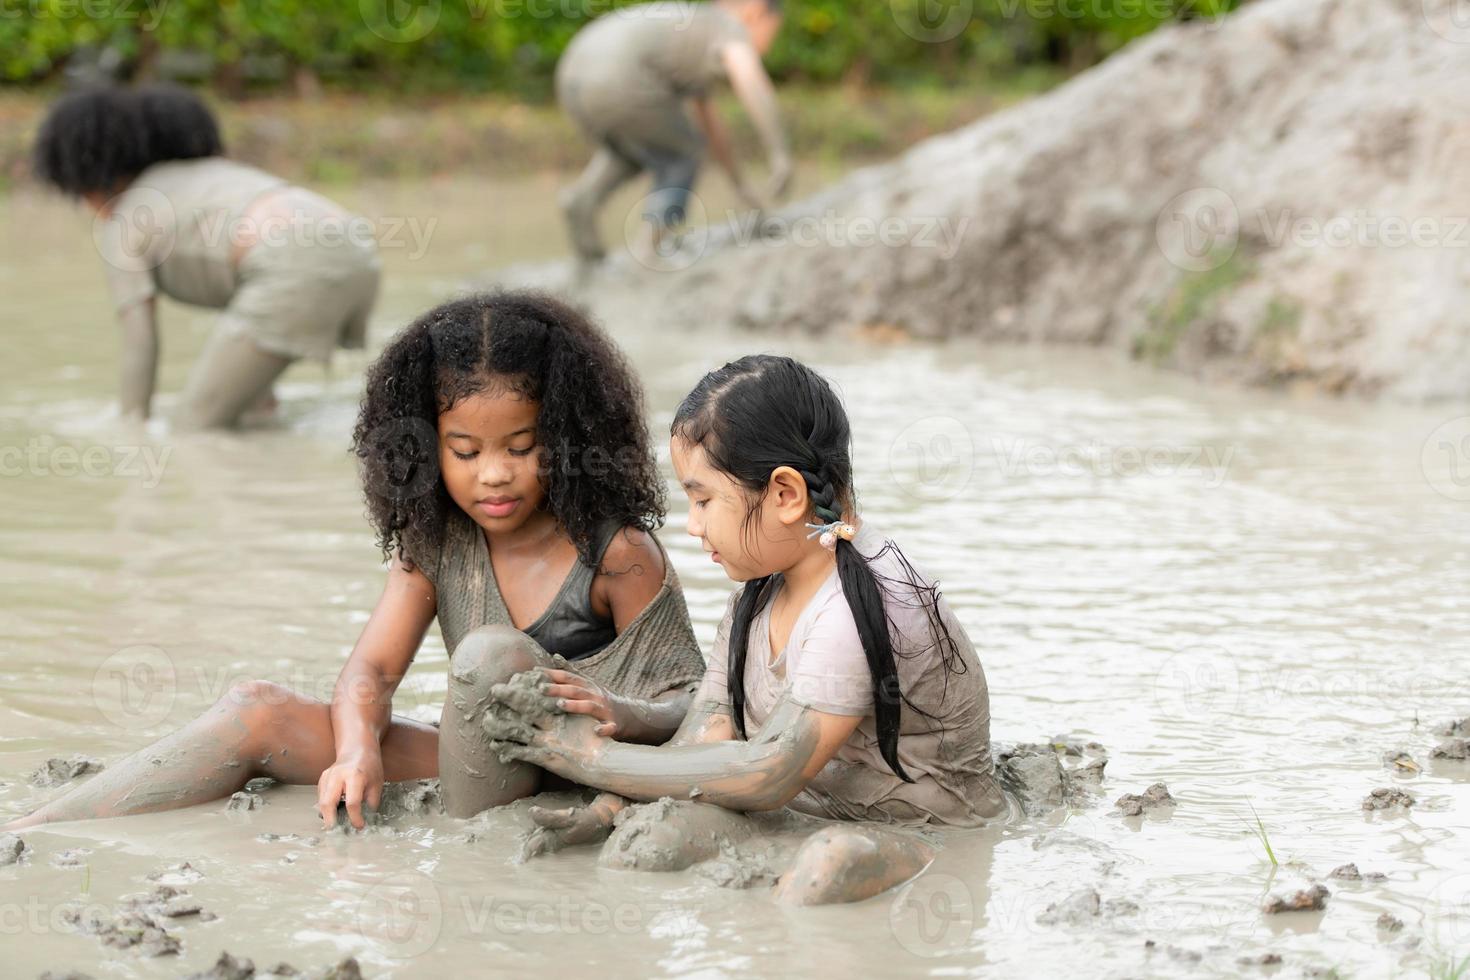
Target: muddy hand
x=561, y=743
x=356, y=779
x=525, y=695
x=556, y=829
x=578, y=695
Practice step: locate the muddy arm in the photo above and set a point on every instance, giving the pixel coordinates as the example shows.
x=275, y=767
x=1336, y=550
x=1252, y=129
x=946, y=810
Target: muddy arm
x=721, y=149
x=761, y=774
x=139, y=326
x=651, y=721
x=362, y=698
x=756, y=93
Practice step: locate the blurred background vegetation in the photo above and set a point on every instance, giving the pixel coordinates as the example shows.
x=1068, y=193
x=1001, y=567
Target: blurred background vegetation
x=337, y=89
x=512, y=45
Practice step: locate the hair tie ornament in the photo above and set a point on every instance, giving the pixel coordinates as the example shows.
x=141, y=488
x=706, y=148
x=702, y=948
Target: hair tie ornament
x=829, y=533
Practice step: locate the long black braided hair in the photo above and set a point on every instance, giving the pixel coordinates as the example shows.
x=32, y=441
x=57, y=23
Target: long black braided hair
x=762, y=412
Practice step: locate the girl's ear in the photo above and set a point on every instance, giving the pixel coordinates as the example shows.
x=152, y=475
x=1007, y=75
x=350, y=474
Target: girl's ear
x=787, y=493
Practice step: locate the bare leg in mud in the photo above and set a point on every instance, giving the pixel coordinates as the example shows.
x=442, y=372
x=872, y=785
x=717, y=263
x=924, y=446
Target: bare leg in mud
x=671, y=835
x=837, y=864
x=263, y=729
x=257, y=729
x=472, y=776
x=849, y=864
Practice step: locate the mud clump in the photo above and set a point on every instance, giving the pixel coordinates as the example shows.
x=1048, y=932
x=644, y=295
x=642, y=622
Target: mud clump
x=735, y=868
x=671, y=835
x=245, y=801
x=521, y=698
x=72, y=857
x=140, y=922
x=1264, y=959
x=1312, y=899
x=1082, y=907
x=1389, y=922
x=413, y=797
x=179, y=873
x=1350, y=872
x=270, y=838
x=226, y=967
x=1174, y=952
x=1399, y=760
x=229, y=967
x=1154, y=798
x=13, y=850
x=1385, y=798
x=1035, y=774
x=54, y=772
x=1452, y=748
x=1077, y=909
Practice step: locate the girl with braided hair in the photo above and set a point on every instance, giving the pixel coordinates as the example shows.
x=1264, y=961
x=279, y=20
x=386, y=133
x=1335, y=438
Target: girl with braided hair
x=841, y=684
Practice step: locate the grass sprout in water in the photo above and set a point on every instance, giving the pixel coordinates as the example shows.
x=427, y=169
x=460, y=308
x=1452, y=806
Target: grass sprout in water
x=1259, y=831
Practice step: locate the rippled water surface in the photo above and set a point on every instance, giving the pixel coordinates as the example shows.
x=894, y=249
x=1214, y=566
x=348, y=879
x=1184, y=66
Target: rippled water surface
x=1247, y=596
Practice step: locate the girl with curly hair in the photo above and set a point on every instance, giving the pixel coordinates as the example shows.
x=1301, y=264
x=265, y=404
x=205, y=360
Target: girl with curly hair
x=509, y=475
x=841, y=684
x=294, y=274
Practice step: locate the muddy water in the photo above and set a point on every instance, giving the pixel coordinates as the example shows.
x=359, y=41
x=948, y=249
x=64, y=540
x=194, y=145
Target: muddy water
x=1245, y=596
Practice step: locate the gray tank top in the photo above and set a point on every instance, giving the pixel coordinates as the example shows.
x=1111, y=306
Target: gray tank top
x=569, y=626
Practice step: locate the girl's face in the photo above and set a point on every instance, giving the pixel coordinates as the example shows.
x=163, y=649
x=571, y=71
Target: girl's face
x=746, y=545
x=491, y=459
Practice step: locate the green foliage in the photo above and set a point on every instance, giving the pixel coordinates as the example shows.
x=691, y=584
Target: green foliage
x=513, y=45
x=1194, y=296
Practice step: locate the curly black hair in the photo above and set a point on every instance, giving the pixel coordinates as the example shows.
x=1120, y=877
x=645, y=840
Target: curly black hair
x=599, y=463
x=100, y=138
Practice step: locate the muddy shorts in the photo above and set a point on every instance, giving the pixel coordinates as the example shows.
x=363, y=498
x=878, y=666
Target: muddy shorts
x=302, y=299
x=652, y=134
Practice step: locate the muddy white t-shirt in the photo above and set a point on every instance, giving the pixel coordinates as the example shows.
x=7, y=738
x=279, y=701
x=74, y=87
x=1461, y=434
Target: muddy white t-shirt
x=823, y=666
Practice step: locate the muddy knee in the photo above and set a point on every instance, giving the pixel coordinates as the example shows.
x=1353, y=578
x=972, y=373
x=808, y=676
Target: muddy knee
x=492, y=655
x=841, y=864
x=256, y=710
x=671, y=835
